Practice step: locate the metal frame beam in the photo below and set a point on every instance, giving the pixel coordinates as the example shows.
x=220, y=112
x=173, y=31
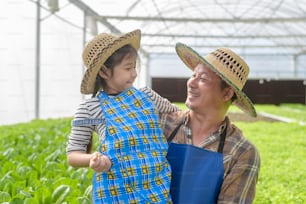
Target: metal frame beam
x=224, y=36
x=228, y=45
x=205, y=20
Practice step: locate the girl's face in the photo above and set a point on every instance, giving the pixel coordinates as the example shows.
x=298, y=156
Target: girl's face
x=123, y=75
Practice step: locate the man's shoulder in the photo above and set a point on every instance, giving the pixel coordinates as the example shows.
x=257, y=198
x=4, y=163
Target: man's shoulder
x=238, y=141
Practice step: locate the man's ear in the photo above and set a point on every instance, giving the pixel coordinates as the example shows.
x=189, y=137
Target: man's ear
x=228, y=94
x=103, y=72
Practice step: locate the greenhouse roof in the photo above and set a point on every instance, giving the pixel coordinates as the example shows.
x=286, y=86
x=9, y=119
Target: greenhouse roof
x=251, y=27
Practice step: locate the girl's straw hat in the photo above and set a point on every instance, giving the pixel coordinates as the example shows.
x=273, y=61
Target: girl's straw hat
x=226, y=64
x=99, y=49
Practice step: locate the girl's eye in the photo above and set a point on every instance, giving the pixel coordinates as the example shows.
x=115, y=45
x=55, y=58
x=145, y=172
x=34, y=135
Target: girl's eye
x=130, y=68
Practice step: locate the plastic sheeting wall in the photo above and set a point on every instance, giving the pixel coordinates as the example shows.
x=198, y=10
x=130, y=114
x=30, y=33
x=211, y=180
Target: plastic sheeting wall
x=61, y=65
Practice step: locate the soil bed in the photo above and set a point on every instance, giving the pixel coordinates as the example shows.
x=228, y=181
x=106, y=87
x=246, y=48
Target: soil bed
x=245, y=118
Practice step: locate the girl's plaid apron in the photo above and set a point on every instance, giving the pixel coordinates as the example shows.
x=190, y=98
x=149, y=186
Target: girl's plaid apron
x=135, y=144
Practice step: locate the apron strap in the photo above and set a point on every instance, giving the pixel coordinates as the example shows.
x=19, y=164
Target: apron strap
x=221, y=143
x=172, y=135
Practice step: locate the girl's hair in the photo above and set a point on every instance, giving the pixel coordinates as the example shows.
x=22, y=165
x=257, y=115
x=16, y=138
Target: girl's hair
x=115, y=59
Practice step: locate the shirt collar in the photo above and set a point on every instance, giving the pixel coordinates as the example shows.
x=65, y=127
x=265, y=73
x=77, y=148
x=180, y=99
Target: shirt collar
x=213, y=137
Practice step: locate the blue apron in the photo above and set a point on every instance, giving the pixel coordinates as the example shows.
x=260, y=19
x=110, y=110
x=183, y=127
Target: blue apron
x=135, y=143
x=197, y=174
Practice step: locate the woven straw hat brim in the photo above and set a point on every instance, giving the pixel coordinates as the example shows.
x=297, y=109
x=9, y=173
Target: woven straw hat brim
x=89, y=77
x=191, y=59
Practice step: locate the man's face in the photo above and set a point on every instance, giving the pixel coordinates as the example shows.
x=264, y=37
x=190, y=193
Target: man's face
x=204, y=90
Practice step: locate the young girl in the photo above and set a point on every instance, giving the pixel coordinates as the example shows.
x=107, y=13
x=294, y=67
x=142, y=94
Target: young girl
x=131, y=164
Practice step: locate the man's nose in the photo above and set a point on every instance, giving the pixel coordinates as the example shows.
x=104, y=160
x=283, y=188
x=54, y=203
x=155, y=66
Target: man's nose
x=192, y=81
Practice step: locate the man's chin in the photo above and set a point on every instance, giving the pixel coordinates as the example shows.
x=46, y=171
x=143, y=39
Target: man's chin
x=191, y=104
x=187, y=103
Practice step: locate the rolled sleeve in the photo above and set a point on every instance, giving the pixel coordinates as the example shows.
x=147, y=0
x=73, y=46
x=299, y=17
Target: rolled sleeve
x=80, y=135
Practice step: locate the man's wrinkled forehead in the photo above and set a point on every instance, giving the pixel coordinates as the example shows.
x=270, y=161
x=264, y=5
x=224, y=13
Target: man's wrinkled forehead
x=205, y=69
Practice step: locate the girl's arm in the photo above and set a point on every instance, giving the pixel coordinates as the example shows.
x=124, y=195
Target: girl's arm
x=80, y=138
x=79, y=159
x=162, y=104
x=81, y=132
x=96, y=161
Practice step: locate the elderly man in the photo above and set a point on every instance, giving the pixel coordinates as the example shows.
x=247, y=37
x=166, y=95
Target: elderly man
x=211, y=160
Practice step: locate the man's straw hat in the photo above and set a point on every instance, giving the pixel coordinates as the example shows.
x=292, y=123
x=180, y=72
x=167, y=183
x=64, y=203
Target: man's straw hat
x=227, y=65
x=99, y=49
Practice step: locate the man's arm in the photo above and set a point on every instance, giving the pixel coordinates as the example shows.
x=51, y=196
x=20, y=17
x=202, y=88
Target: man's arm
x=239, y=184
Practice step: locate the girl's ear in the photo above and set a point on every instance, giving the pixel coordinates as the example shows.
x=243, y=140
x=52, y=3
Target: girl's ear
x=103, y=72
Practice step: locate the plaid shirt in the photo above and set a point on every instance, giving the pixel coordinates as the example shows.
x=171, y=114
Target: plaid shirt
x=240, y=158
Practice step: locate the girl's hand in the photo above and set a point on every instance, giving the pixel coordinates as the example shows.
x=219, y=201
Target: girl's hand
x=99, y=162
